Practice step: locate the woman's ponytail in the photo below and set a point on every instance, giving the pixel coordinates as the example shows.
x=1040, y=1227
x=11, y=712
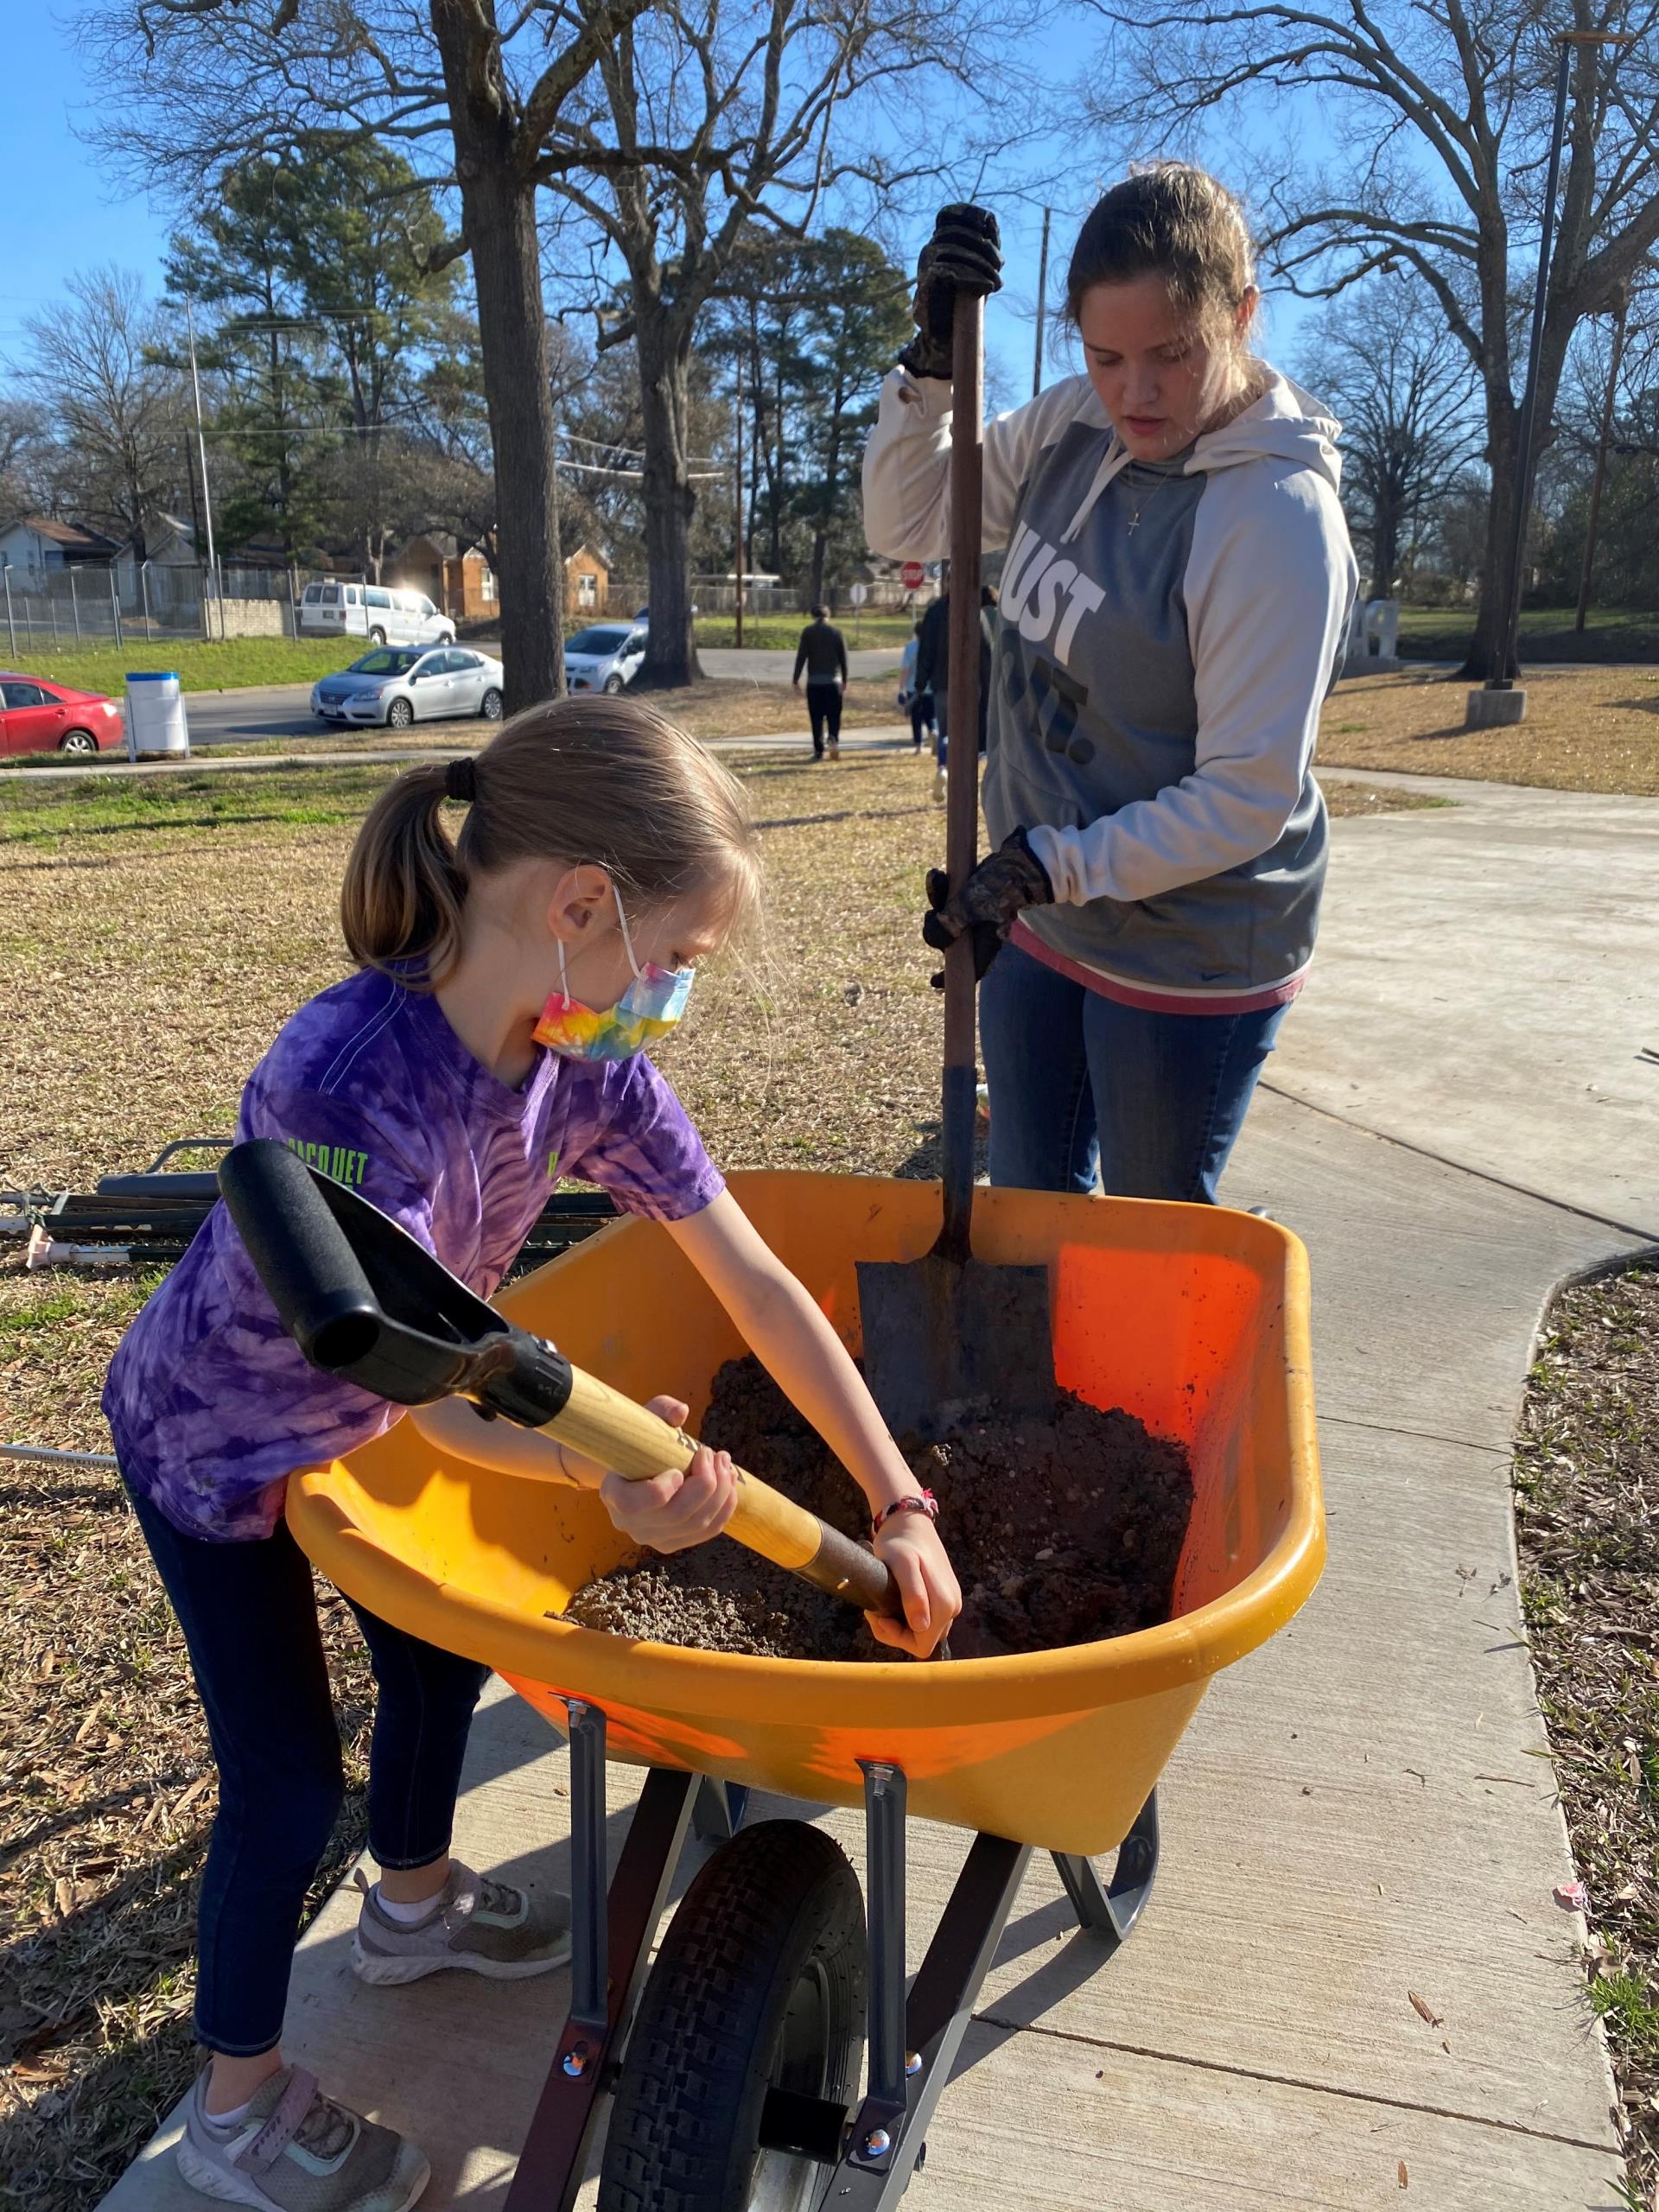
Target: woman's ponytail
x=402, y=898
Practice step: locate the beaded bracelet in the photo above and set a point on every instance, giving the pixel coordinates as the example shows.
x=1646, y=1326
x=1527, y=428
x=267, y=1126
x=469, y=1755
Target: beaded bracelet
x=926, y=1503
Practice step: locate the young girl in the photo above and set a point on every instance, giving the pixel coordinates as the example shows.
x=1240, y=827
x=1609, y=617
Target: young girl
x=490, y=1039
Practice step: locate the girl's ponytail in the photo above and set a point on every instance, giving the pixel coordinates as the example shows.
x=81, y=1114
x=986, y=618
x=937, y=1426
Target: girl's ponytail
x=402, y=898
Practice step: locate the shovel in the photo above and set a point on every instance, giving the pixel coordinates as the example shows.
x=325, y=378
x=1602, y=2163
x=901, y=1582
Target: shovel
x=948, y=1336
x=363, y=1300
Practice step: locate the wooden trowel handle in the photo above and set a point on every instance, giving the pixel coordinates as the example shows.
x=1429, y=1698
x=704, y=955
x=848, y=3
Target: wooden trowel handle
x=620, y=1433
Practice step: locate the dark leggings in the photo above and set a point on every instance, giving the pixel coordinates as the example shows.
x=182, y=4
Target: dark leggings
x=823, y=705
x=249, y=1619
x=921, y=715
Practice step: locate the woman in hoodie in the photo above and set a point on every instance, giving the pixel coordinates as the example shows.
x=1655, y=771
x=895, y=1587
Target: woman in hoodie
x=1176, y=587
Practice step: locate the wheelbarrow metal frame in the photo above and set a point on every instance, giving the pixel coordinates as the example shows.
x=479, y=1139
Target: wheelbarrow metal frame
x=913, y=2041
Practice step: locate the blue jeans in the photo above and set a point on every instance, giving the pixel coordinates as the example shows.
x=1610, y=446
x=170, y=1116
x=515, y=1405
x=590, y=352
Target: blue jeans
x=250, y=1621
x=1081, y=1085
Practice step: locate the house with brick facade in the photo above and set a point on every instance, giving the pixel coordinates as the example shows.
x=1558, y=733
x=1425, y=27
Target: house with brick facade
x=461, y=582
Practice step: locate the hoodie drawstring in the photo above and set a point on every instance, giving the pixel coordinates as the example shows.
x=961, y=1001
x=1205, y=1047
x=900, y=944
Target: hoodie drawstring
x=1115, y=459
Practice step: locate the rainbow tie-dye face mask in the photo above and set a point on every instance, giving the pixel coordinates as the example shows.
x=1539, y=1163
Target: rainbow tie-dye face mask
x=646, y=1011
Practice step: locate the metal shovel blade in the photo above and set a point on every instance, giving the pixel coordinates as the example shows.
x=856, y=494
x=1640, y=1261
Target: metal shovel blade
x=947, y=1341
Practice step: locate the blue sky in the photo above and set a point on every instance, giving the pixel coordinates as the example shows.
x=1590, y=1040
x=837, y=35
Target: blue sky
x=64, y=212
x=60, y=211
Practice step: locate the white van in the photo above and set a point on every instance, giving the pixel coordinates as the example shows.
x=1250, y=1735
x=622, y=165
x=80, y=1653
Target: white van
x=384, y=616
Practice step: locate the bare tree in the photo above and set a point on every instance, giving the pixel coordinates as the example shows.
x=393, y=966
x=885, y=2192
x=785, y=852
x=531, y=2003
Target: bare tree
x=1444, y=105
x=704, y=117
x=208, y=83
x=24, y=451
x=114, y=410
x=1405, y=391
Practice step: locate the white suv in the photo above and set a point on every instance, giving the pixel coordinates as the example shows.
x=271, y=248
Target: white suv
x=378, y=612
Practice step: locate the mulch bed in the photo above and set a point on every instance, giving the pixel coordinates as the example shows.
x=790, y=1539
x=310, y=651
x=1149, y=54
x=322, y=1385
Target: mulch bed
x=1586, y=1484
x=1061, y=1532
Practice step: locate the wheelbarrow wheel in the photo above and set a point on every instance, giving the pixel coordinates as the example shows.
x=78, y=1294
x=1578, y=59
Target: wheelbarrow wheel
x=758, y=1985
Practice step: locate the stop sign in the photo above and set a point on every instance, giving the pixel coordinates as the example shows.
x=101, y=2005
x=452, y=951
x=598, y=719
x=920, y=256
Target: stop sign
x=912, y=576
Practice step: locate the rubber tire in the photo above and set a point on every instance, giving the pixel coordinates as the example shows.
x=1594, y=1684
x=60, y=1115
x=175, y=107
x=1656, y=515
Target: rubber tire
x=79, y=744
x=613, y=684
x=777, y=1900
x=376, y=636
x=490, y=705
x=399, y=715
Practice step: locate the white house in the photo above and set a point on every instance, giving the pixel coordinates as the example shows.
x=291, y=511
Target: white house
x=35, y=546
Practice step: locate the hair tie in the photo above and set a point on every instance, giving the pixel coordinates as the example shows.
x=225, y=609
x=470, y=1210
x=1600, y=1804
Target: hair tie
x=460, y=780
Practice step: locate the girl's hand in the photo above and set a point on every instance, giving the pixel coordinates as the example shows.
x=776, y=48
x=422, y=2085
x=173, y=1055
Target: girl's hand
x=672, y=1511
x=909, y=1545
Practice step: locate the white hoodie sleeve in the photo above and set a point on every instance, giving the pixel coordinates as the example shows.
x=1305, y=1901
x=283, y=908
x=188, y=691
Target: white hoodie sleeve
x=1270, y=578
x=908, y=463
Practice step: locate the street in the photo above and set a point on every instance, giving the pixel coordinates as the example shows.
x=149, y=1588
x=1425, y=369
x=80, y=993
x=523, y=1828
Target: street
x=284, y=709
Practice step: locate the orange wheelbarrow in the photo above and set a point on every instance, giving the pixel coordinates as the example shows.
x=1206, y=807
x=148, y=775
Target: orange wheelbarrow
x=772, y=2057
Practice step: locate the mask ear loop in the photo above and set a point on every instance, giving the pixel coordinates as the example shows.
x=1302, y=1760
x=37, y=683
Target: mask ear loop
x=627, y=942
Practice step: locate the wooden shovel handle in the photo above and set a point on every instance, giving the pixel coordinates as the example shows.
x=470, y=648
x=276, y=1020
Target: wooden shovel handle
x=610, y=1428
x=962, y=801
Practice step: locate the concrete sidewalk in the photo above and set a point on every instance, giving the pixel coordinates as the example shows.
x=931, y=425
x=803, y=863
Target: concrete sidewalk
x=1360, y=1814
x=1485, y=987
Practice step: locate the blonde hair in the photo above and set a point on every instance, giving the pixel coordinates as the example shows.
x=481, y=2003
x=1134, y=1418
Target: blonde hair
x=1171, y=220
x=606, y=780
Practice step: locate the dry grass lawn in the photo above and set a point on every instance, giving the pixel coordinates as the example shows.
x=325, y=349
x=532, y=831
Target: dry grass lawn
x=155, y=935
x=1586, y=730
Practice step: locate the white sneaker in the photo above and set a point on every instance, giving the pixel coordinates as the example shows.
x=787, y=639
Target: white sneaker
x=486, y=1927
x=297, y=2151
x=941, y=785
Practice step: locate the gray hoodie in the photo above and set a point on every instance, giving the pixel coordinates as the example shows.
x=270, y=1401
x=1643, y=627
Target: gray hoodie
x=1167, y=636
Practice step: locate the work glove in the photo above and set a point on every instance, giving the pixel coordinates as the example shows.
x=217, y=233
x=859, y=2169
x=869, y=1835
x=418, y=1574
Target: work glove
x=1001, y=886
x=964, y=254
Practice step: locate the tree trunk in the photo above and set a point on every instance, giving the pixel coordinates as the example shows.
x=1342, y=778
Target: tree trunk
x=827, y=503
x=1385, y=549
x=775, y=470
x=1503, y=425
x=670, y=499
x=498, y=216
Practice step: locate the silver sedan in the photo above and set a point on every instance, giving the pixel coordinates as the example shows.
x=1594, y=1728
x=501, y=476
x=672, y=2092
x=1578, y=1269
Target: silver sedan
x=401, y=684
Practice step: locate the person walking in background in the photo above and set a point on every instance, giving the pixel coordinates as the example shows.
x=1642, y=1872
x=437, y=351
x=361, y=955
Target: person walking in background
x=822, y=654
x=912, y=694
x=933, y=671
x=1176, y=590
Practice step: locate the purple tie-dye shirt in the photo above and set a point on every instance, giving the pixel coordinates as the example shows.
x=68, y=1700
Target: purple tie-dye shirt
x=210, y=1402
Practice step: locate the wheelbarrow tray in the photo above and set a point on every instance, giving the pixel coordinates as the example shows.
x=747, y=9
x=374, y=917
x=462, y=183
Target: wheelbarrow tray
x=1193, y=1318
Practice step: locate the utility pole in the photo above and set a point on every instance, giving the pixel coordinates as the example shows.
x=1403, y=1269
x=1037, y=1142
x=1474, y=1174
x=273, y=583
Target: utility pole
x=1042, y=306
x=201, y=451
x=737, y=480
x=1588, y=571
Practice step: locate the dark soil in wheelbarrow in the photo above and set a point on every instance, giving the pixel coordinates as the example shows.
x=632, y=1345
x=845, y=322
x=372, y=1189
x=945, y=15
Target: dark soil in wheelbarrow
x=1061, y=1532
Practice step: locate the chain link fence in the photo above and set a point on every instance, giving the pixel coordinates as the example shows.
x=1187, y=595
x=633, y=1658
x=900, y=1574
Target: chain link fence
x=126, y=603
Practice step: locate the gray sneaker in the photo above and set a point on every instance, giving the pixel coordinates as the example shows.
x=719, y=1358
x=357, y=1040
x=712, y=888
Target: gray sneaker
x=298, y=2150
x=485, y=1927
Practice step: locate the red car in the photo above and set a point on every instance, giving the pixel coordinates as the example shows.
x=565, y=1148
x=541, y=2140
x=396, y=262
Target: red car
x=40, y=717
